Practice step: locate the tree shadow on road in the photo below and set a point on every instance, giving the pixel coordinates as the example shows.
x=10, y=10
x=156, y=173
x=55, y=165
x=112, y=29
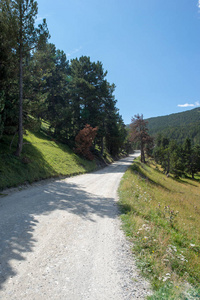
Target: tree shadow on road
x=18, y=217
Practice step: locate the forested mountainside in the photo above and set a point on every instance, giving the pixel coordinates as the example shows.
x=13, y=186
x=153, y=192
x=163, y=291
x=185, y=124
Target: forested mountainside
x=177, y=126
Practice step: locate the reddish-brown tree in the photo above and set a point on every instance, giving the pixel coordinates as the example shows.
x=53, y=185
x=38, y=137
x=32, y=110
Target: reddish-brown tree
x=84, y=140
x=139, y=133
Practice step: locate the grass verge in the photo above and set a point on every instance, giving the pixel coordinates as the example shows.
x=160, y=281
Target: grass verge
x=161, y=216
x=41, y=158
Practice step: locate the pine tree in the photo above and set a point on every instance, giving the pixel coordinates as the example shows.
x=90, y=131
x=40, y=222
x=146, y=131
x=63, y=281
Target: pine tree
x=139, y=133
x=21, y=19
x=7, y=72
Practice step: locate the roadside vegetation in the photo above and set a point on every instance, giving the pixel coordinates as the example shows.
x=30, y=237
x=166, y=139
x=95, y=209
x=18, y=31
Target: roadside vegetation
x=160, y=214
x=42, y=157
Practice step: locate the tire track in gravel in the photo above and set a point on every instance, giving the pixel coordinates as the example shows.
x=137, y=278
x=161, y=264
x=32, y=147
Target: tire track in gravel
x=62, y=240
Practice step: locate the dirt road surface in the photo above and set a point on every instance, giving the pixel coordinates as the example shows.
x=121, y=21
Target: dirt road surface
x=61, y=239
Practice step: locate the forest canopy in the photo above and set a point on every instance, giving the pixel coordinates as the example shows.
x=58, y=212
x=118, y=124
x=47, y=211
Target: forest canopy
x=177, y=126
x=38, y=83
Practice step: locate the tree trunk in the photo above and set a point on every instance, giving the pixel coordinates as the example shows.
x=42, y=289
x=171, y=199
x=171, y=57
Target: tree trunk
x=20, y=122
x=168, y=163
x=102, y=140
x=142, y=153
x=102, y=145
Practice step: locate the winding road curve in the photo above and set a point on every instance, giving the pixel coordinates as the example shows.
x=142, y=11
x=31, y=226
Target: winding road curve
x=61, y=239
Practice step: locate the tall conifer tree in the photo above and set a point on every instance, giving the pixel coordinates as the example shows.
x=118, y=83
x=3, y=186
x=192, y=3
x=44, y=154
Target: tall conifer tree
x=21, y=17
x=139, y=133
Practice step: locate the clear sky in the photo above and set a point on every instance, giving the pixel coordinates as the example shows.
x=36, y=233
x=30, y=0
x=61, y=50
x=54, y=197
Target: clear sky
x=150, y=48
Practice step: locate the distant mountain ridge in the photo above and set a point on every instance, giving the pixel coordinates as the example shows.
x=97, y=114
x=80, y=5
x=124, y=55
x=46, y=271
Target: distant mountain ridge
x=177, y=126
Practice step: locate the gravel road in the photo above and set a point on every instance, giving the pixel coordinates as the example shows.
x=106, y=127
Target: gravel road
x=61, y=239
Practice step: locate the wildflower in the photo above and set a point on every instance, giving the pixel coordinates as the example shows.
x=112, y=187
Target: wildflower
x=182, y=258
x=192, y=245
x=174, y=248
x=167, y=276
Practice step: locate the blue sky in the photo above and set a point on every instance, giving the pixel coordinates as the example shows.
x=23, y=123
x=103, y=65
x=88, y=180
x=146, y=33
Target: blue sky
x=150, y=48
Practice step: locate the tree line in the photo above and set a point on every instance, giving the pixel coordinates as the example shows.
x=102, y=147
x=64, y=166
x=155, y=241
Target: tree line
x=178, y=159
x=38, y=83
x=178, y=126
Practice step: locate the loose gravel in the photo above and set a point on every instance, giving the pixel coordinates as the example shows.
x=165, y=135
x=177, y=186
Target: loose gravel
x=62, y=240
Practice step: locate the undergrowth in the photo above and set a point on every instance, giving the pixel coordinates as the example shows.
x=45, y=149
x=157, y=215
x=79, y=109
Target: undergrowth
x=161, y=216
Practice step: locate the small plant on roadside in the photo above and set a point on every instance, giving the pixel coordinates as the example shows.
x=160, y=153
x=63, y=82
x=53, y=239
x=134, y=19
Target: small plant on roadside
x=168, y=214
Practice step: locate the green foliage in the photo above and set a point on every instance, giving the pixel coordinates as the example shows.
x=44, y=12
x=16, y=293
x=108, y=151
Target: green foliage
x=66, y=95
x=8, y=73
x=19, y=37
x=92, y=102
x=177, y=126
x=176, y=159
x=174, y=292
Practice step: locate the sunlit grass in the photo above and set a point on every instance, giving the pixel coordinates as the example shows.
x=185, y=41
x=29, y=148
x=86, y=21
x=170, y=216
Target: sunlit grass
x=42, y=157
x=161, y=215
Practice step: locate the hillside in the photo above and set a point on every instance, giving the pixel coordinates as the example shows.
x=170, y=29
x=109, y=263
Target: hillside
x=42, y=158
x=161, y=217
x=177, y=126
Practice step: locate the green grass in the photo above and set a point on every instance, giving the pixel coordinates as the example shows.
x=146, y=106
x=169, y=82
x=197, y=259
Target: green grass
x=41, y=158
x=161, y=216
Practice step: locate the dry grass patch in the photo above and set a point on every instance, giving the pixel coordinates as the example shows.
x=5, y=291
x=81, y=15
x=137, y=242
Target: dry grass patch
x=161, y=215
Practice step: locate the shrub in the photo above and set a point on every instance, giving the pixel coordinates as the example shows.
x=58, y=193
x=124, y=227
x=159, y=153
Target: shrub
x=84, y=140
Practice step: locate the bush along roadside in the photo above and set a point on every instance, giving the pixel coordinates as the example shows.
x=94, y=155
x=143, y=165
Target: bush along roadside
x=160, y=215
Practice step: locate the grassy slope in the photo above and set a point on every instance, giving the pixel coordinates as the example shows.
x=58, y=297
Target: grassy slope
x=41, y=158
x=161, y=215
